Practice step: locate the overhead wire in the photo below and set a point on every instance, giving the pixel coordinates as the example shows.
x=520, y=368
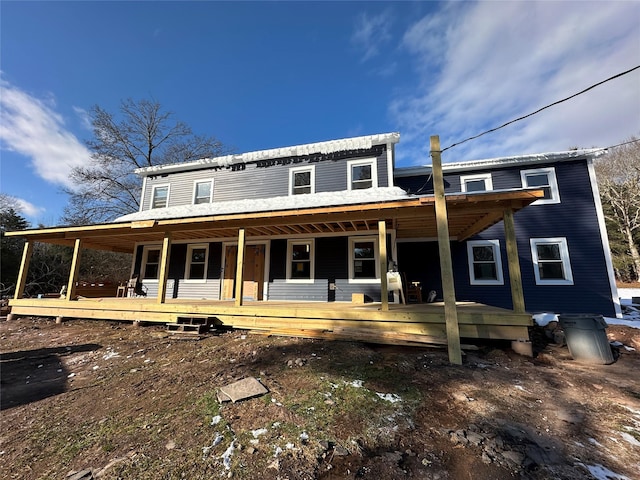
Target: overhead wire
x=543, y=108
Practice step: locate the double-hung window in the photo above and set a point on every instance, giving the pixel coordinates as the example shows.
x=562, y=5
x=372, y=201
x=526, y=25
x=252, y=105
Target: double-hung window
x=485, y=266
x=551, y=261
x=363, y=259
x=197, y=256
x=302, y=180
x=476, y=183
x=545, y=180
x=362, y=174
x=150, y=263
x=202, y=191
x=160, y=196
x=300, y=260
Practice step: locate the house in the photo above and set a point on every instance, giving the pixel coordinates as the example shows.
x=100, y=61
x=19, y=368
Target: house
x=293, y=240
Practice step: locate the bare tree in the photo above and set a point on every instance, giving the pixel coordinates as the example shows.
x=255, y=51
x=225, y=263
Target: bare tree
x=143, y=135
x=618, y=175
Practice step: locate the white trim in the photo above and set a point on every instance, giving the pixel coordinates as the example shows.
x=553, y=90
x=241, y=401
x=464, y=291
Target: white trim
x=153, y=194
x=312, y=260
x=312, y=179
x=390, y=164
x=550, y=172
x=373, y=162
x=195, y=190
x=142, y=193
x=144, y=262
x=497, y=260
x=604, y=238
x=488, y=181
x=564, y=258
x=187, y=267
x=376, y=254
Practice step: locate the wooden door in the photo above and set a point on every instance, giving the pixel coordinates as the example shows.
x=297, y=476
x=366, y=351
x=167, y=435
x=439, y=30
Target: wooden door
x=253, y=272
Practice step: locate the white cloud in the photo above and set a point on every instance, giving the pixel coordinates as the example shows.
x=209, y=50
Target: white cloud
x=482, y=64
x=29, y=209
x=31, y=127
x=371, y=33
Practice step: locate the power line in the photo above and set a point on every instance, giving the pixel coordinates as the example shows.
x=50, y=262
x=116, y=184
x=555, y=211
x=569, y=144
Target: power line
x=543, y=108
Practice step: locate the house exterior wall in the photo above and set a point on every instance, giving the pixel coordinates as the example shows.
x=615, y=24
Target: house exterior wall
x=574, y=218
x=263, y=179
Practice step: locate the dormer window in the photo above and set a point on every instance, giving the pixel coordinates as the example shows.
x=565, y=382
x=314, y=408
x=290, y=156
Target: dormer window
x=362, y=174
x=545, y=180
x=160, y=196
x=203, y=192
x=302, y=180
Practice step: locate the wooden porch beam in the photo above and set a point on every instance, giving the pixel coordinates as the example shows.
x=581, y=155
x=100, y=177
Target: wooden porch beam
x=240, y=267
x=484, y=222
x=27, y=252
x=75, y=268
x=382, y=247
x=164, y=268
x=446, y=264
x=515, y=275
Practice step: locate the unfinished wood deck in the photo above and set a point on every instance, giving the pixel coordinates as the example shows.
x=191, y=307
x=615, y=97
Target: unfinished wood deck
x=413, y=323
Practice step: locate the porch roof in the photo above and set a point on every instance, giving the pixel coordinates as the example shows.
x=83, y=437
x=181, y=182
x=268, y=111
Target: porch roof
x=411, y=217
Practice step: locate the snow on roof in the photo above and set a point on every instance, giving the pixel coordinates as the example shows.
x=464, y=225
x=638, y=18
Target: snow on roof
x=340, y=145
x=549, y=157
x=253, y=205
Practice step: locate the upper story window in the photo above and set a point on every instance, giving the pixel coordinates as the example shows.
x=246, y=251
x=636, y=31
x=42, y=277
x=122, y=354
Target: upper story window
x=545, y=179
x=363, y=261
x=160, y=196
x=485, y=266
x=551, y=261
x=150, y=263
x=196, y=268
x=302, y=180
x=476, y=183
x=362, y=174
x=301, y=261
x=202, y=191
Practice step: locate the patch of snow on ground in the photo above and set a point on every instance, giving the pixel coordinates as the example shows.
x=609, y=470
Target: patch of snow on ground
x=356, y=383
x=216, y=420
x=110, y=354
x=258, y=432
x=226, y=456
x=389, y=397
x=626, y=294
x=603, y=473
x=630, y=438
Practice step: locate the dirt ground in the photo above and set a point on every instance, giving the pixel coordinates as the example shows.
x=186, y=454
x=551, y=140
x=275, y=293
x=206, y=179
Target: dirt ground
x=126, y=402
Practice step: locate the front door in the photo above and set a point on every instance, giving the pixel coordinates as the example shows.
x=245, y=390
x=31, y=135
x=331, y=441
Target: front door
x=252, y=274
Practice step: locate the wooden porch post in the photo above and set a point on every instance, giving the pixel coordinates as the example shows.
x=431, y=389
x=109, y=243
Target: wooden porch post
x=164, y=267
x=75, y=268
x=446, y=264
x=240, y=267
x=27, y=251
x=382, y=247
x=515, y=276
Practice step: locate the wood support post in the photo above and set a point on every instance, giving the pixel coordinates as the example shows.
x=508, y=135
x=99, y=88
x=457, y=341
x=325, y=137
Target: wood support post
x=515, y=275
x=240, y=267
x=446, y=264
x=164, y=267
x=75, y=268
x=382, y=247
x=27, y=251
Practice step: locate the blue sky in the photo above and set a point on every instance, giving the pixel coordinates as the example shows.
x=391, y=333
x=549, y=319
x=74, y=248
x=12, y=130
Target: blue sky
x=259, y=75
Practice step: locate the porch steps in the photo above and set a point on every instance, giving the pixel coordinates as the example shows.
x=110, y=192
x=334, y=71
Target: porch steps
x=189, y=325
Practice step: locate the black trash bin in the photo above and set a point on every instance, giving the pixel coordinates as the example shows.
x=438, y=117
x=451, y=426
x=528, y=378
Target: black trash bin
x=586, y=337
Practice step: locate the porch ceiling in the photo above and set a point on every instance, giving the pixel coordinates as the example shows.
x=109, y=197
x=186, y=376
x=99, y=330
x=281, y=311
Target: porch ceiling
x=414, y=217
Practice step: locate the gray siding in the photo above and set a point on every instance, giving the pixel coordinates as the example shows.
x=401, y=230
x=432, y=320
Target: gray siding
x=257, y=180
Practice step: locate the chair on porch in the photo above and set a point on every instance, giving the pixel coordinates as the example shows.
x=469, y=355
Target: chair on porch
x=135, y=288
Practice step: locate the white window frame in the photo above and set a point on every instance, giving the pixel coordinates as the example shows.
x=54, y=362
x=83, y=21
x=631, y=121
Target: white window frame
x=564, y=258
x=187, y=274
x=312, y=260
x=488, y=182
x=358, y=163
x=195, y=190
x=553, y=184
x=145, y=260
x=153, y=194
x=376, y=250
x=307, y=168
x=495, y=244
